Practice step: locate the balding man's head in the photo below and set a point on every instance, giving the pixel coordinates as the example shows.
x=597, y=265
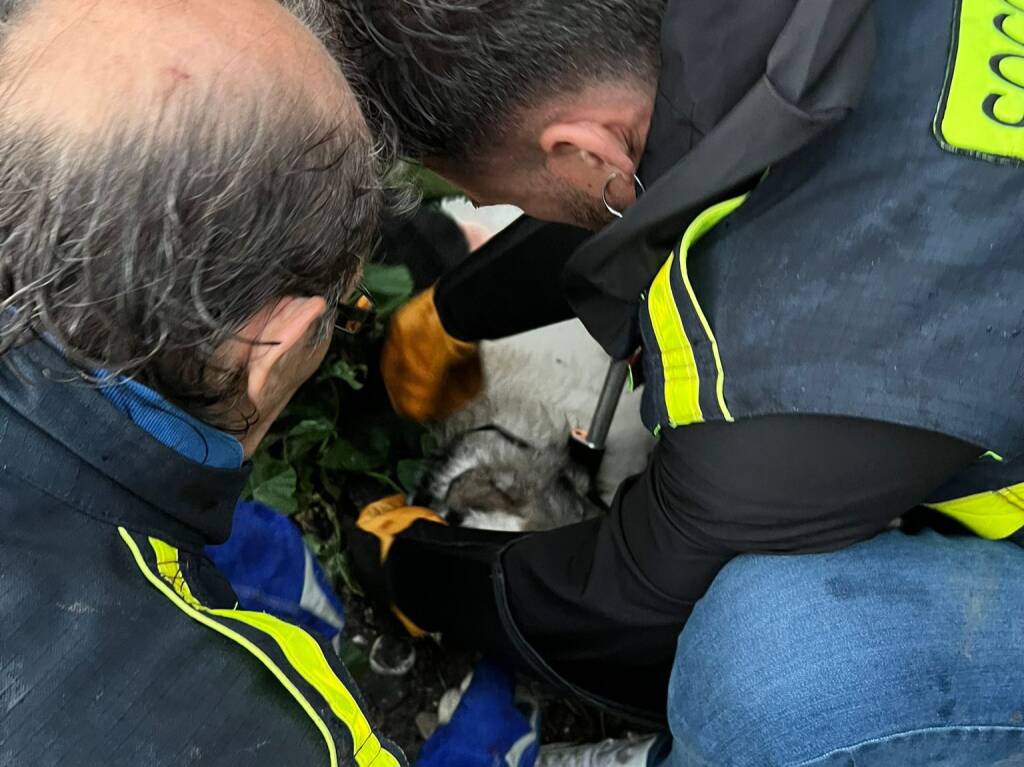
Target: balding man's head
x=171, y=171
x=80, y=63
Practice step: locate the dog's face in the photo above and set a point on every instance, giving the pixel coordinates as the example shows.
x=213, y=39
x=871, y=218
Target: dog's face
x=490, y=479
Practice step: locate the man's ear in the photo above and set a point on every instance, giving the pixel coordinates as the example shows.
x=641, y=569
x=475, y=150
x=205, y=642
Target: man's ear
x=584, y=152
x=277, y=331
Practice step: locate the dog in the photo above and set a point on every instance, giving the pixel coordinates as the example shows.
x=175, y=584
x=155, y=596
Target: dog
x=503, y=463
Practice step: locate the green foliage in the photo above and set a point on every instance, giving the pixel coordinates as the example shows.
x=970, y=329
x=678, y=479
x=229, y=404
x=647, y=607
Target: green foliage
x=273, y=483
x=339, y=444
x=432, y=187
x=390, y=287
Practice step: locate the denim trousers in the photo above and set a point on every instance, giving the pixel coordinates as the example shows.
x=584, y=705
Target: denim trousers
x=903, y=650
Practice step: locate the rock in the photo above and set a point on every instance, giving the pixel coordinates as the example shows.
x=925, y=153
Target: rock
x=426, y=724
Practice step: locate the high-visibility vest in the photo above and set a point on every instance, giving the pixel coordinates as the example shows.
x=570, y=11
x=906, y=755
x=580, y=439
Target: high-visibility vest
x=879, y=272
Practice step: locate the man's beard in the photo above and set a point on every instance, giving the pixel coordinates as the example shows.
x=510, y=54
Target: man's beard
x=586, y=212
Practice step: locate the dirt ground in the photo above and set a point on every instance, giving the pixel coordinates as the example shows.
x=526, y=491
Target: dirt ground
x=394, y=702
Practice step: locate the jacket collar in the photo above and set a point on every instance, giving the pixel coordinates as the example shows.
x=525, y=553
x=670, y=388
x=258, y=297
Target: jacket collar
x=743, y=85
x=171, y=426
x=189, y=501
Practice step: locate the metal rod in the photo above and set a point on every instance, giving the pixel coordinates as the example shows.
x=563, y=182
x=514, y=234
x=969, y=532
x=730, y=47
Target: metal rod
x=615, y=382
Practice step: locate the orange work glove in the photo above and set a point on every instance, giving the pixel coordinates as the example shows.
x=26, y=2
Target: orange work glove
x=370, y=543
x=391, y=516
x=428, y=374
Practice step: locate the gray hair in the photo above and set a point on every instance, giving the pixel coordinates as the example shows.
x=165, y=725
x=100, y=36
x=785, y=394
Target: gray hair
x=319, y=16
x=449, y=74
x=141, y=250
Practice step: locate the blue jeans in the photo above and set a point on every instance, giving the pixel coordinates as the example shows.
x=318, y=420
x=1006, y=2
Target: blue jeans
x=903, y=651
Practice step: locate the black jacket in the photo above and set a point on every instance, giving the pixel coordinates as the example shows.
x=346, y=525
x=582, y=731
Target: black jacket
x=119, y=644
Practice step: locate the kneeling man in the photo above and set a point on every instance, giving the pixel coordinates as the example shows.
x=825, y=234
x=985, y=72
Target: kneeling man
x=187, y=194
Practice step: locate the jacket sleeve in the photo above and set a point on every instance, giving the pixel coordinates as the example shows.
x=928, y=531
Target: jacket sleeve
x=511, y=285
x=603, y=602
x=597, y=607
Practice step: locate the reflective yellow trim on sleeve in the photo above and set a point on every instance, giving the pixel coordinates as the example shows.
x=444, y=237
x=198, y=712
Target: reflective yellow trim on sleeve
x=170, y=571
x=701, y=225
x=198, y=616
x=994, y=515
x=682, y=381
x=305, y=656
x=981, y=112
x=299, y=648
x=678, y=362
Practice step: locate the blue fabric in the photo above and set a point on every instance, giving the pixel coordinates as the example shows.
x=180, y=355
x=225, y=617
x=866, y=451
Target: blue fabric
x=265, y=559
x=272, y=570
x=172, y=426
x=487, y=728
x=902, y=650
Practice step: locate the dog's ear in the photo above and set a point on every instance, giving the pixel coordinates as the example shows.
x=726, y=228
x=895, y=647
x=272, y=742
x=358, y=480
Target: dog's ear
x=484, y=489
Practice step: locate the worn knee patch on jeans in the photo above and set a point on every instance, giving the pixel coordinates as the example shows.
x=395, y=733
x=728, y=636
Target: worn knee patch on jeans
x=899, y=640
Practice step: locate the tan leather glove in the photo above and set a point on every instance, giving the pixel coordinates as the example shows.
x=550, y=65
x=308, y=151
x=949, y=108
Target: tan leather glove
x=391, y=516
x=370, y=543
x=428, y=374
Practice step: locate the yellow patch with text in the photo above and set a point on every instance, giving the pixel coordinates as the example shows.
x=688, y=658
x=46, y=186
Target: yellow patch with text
x=982, y=107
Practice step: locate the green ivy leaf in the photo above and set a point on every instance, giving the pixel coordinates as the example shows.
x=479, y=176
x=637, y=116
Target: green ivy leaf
x=342, y=370
x=329, y=480
x=308, y=435
x=345, y=456
x=428, y=443
x=339, y=569
x=380, y=441
x=390, y=286
x=340, y=425
x=278, y=491
x=264, y=467
x=314, y=543
x=410, y=472
x=388, y=281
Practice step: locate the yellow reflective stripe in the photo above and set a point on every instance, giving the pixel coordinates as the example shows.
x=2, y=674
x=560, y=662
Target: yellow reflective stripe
x=994, y=515
x=167, y=564
x=682, y=381
x=381, y=759
x=200, y=617
x=300, y=649
x=982, y=110
x=307, y=658
x=302, y=652
x=701, y=225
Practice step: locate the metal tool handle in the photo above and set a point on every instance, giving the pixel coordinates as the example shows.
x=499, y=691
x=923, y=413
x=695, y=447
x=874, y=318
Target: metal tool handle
x=604, y=414
x=587, y=447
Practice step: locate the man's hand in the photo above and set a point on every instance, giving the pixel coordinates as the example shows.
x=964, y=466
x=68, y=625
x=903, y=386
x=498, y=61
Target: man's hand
x=428, y=374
